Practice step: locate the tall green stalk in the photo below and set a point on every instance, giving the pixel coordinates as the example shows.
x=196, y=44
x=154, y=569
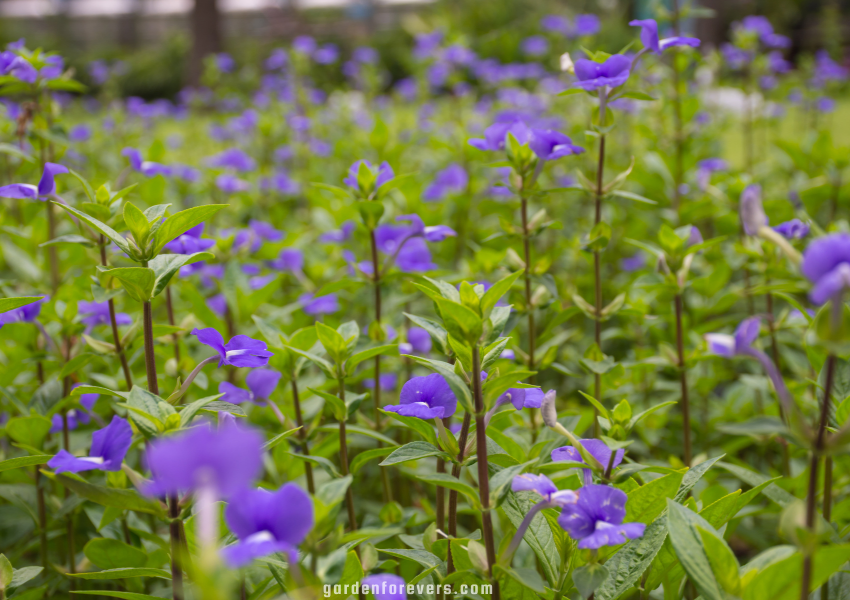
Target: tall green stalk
x=343, y=457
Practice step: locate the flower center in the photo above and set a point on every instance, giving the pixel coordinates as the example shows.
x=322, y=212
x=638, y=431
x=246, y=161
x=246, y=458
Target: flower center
x=259, y=537
x=97, y=460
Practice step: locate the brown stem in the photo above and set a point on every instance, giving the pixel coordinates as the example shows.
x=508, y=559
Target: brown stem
x=811, y=496
x=176, y=550
x=343, y=457
x=462, y=440
x=150, y=357
x=42, y=517
x=170, y=306
x=302, y=433
x=116, y=337
x=679, y=135
x=483, y=472
x=683, y=377
x=376, y=278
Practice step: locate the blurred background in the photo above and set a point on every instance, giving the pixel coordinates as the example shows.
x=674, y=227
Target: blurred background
x=159, y=46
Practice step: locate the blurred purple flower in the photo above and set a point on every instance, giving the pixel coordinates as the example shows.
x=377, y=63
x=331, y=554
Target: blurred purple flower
x=389, y=381
x=145, y=167
x=97, y=313
x=418, y=340
x=536, y=45
x=495, y=136
x=255, y=234
x=75, y=419
x=46, y=186
x=108, y=449
x=24, y=314
x=555, y=24
x=597, y=449
x=633, y=263
x=826, y=263
x=545, y=487
x=548, y=144
x=386, y=586
x=340, y=235
x=794, y=229
x=451, y=180
x=190, y=242
x=261, y=383
x=613, y=72
x=586, y=25
x=224, y=460
x=232, y=158
x=649, y=37
x=322, y=305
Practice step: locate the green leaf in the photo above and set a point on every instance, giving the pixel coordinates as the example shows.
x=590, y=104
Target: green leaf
x=181, y=222
x=359, y=357
x=597, y=405
x=437, y=332
x=107, y=553
x=75, y=364
x=23, y=575
x=352, y=573
x=363, y=457
x=421, y=557
x=87, y=187
x=138, y=282
x=116, y=498
x=319, y=461
x=29, y=430
x=724, y=565
x=333, y=342
x=69, y=239
x=460, y=321
x=782, y=579
x=648, y=501
x=123, y=574
x=166, y=266
x=137, y=222
x=495, y=293
x=633, y=196
x=420, y=426
x=94, y=389
x=190, y=410
x=144, y=411
x=682, y=524
x=588, y=578
x=7, y=304
x=452, y=483
x=6, y=572
x=526, y=578
x=24, y=461
x=338, y=407
x=413, y=451
x=538, y=535
x=320, y=362
x=627, y=565
x=356, y=429
x=119, y=595
x=636, y=96
x=371, y=212
x=103, y=228
x=641, y=415
x=279, y=438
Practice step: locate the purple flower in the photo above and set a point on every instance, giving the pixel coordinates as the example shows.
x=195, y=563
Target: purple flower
x=340, y=235
x=752, y=212
x=777, y=63
x=267, y=522
x=418, y=340
x=261, y=383
x=736, y=58
x=827, y=69
x=555, y=24
x=389, y=381
x=24, y=314
x=428, y=397
x=80, y=133
x=98, y=71
x=279, y=182
x=496, y=135
x=597, y=449
x=225, y=460
x=289, y=259
x=327, y=54
x=548, y=144
x=240, y=351
x=74, y=418
x=825, y=104
x=218, y=304
x=536, y=45
x=384, y=175
x=522, y=398
x=224, y=62
x=255, y=234
x=108, y=448
x=46, y=186
x=633, y=263
x=434, y=233
x=596, y=518
x=145, y=167
x=427, y=44
x=612, y=73
x=586, y=25
x=87, y=400
x=232, y=158
x=794, y=229
x=729, y=345
x=190, y=242
x=322, y=305
x=97, y=313
x=649, y=37
x=277, y=60
x=826, y=263
x=451, y=180
x=385, y=586
x=694, y=238
x=708, y=166
x=528, y=482
x=304, y=44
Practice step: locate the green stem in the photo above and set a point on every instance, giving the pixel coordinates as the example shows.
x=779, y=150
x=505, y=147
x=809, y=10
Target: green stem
x=483, y=473
x=462, y=439
x=116, y=337
x=376, y=278
x=176, y=550
x=683, y=379
x=343, y=457
x=302, y=434
x=597, y=268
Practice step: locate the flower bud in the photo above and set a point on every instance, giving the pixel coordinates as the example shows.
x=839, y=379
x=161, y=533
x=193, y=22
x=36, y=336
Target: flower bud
x=752, y=212
x=547, y=409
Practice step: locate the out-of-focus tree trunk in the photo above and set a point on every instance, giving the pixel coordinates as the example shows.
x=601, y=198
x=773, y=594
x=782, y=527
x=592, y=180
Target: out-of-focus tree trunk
x=206, y=36
x=128, y=26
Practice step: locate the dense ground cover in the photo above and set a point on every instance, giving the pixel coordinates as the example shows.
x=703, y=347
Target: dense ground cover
x=494, y=330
